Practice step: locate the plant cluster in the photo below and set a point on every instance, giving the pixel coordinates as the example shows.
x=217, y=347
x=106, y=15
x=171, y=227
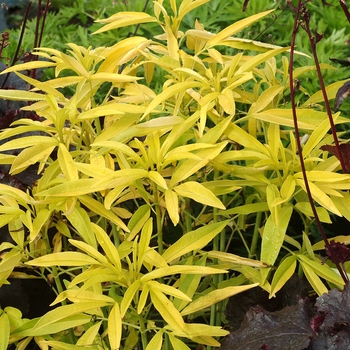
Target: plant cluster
x=157, y=156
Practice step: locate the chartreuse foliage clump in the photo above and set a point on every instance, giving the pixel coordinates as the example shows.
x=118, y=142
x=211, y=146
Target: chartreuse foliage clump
x=143, y=183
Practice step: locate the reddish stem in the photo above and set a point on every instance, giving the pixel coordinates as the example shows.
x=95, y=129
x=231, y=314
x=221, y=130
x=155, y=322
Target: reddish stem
x=324, y=92
x=297, y=136
x=345, y=9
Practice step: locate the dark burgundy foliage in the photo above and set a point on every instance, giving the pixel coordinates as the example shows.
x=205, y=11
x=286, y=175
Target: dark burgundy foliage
x=339, y=252
x=345, y=153
x=344, y=63
x=303, y=326
x=288, y=329
x=245, y=5
x=342, y=94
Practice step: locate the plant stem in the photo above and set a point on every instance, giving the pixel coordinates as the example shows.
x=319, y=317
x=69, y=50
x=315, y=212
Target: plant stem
x=158, y=218
x=323, y=88
x=256, y=234
x=297, y=135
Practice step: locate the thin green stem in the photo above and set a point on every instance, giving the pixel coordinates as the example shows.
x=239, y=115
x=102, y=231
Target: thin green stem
x=256, y=234
x=158, y=218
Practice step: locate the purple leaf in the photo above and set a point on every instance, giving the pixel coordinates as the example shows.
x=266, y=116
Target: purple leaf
x=342, y=94
x=288, y=329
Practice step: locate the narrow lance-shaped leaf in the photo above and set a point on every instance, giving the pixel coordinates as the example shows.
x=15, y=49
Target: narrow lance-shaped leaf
x=198, y=193
x=167, y=310
x=193, y=240
x=115, y=327
x=214, y=297
x=235, y=28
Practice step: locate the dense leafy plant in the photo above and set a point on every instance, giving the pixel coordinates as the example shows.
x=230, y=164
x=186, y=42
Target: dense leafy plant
x=145, y=181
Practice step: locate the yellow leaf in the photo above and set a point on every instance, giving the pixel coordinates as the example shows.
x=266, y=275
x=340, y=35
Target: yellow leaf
x=167, y=310
x=186, y=269
x=123, y=19
x=40, y=220
x=115, y=327
x=193, y=240
x=113, y=77
x=235, y=259
x=316, y=283
x=169, y=92
x=99, y=209
x=227, y=101
x=32, y=155
x=65, y=161
x=63, y=259
x=156, y=342
x=320, y=197
x=273, y=235
x=235, y=28
x=198, y=193
x=214, y=297
x=258, y=59
x=172, y=205
x=283, y=273
x=108, y=247
x=190, y=166
x=28, y=66
x=322, y=270
x=4, y=331
x=164, y=288
x=158, y=179
x=265, y=99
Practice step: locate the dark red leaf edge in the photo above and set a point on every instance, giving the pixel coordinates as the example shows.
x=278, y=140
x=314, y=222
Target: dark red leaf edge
x=322, y=325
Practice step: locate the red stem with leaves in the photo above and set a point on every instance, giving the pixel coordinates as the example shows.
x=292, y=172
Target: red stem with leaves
x=302, y=12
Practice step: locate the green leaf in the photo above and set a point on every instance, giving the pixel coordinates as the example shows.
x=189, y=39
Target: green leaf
x=273, y=235
x=198, y=193
x=115, y=325
x=283, y=273
x=214, y=297
x=63, y=259
x=193, y=240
